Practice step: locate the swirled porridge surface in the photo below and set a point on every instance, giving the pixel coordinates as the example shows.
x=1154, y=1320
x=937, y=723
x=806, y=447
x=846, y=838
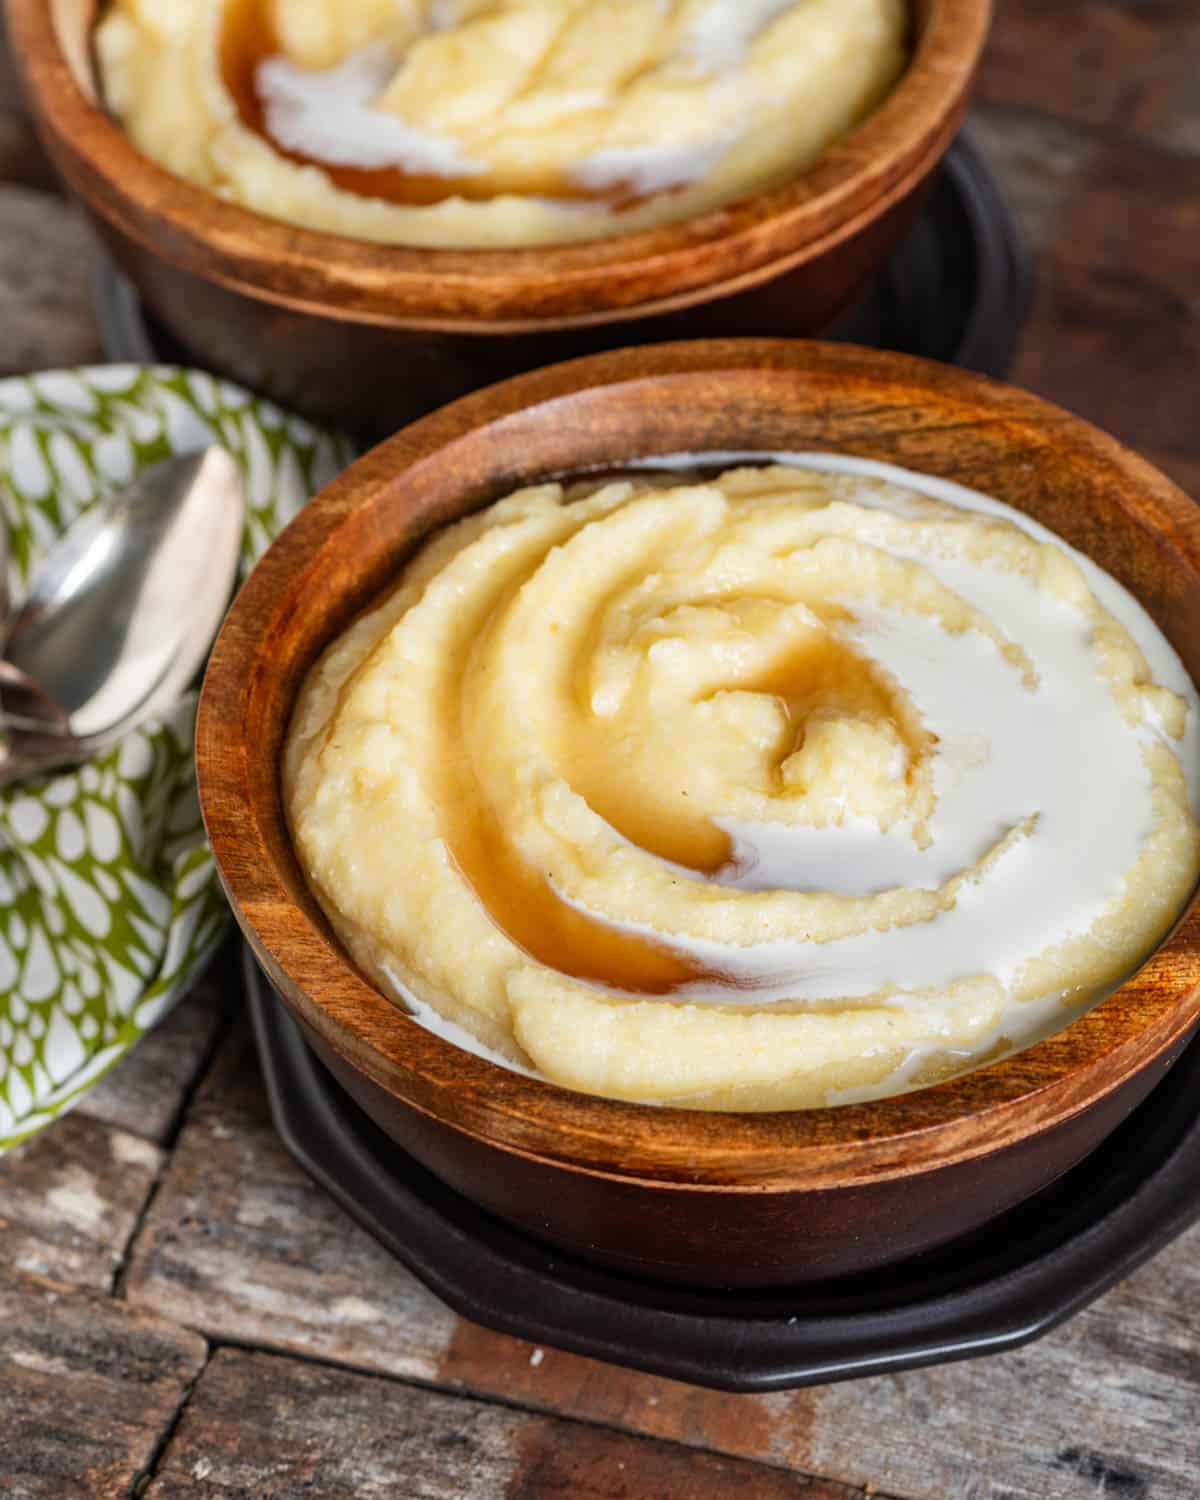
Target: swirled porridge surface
x=778, y=788
x=493, y=122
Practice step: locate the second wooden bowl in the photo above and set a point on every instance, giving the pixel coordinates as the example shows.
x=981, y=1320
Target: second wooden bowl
x=668, y=1193
x=372, y=335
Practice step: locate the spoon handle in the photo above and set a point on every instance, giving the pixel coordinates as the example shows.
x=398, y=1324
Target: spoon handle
x=35, y=731
x=32, y=753
x=21, y=698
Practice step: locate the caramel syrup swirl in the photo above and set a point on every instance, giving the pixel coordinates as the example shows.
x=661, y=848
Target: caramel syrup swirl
x=821, y=672
x=522, y=901
x=249, y=38
x=524, y=905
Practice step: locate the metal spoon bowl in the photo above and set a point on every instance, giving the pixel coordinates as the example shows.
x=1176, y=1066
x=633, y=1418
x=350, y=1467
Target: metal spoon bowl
x=121, y=614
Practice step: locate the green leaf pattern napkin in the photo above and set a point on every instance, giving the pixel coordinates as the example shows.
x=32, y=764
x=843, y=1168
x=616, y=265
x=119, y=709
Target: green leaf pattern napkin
x=109, y=904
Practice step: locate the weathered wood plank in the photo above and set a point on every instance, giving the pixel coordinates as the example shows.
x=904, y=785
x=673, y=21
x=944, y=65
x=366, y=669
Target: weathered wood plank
x=45, y=258
x=1076, y=61
x=70, y=1198
x=146, y=1091
x=1115, y=332
x=238, y=1244
x=1165, y=98
x=1061, y=1420
x=1114, y=1397
x=1041, y=165
x=241, y=1243
x=262, y=1425
x=88, y=1390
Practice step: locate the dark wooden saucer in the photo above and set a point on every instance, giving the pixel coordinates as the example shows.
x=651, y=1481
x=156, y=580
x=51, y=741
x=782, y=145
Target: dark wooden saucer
x=1006, y=1285
x=956, y=288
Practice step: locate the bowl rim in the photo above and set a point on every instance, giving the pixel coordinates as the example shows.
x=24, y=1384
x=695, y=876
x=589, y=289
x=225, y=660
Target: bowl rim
x=969, y=1116
x=717, y=253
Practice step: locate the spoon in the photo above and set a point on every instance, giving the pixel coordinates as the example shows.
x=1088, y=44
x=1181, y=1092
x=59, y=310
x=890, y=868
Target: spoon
x=123, y=610
x=23, y=704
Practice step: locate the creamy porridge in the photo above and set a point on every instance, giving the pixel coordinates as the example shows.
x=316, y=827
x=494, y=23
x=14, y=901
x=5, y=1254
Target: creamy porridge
x=803, y=783
x=493, y=122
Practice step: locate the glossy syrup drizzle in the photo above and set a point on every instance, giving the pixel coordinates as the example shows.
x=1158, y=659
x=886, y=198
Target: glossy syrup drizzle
x=249, y=39
x=820, y=673
x=522, y=902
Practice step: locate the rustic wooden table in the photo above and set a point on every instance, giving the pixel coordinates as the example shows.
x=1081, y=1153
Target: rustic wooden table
x=183, y=1314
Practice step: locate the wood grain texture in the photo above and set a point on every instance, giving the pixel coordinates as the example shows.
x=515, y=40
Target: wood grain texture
x=45, y=307
x=1106, y=1405
x=788, y=1196
x=70, y=1199
x=87, y=1391
x=260, y=1426
x=1044, y=165
x=1130, y=67
x=1092, y=1411
x=242, y=1246
x=1116, y=325
x=1165, y=99
x=1075, y=1416
x=1075, y=61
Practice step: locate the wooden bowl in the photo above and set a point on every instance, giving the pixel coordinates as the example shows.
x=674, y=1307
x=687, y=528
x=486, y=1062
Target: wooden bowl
x=743, y=1199
x=371, y=335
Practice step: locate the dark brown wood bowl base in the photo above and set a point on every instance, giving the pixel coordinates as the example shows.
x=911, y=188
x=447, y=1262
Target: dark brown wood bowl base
x=618, y=1224
x=335, y=327
x=957, y=288
x=374, y=377
x=686, y=1195
x=1008, y=1283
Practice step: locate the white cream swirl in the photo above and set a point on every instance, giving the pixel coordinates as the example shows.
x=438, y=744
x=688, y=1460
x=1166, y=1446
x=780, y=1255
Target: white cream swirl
x=746, y=792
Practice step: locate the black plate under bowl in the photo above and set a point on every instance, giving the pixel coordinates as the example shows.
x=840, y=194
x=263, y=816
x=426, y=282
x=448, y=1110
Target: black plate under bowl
x=956, y=289
x=1002, y=1286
